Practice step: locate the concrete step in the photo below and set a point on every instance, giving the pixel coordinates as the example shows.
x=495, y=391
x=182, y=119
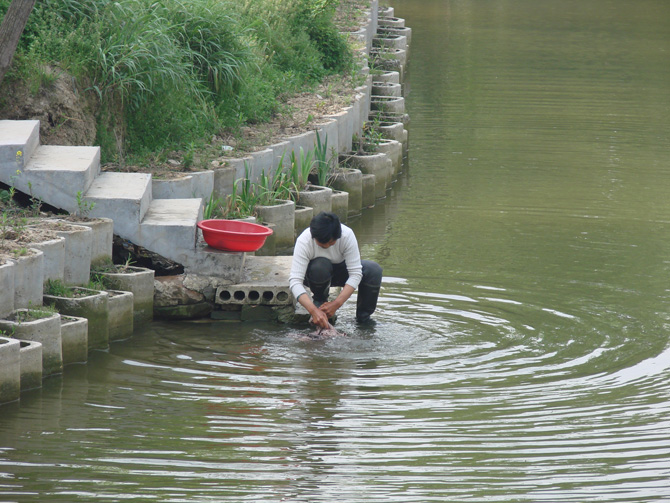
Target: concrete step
x=170, y=224
x=123, y=197
x=56, y=174
x=169, y=229
x=18, y=141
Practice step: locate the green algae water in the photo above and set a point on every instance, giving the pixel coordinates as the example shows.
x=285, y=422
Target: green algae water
x=521, y=346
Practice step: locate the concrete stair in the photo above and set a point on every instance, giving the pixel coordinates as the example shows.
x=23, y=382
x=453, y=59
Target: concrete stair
x=70, y=178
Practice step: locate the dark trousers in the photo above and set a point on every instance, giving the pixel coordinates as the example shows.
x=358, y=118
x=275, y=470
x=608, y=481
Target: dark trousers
x=322, y=274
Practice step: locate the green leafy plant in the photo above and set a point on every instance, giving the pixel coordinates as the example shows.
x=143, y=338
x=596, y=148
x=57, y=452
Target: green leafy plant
x=301, y=167
x=98, y=282
x=34, y=313
x=213, y=207
x=321, y=160
x=371, y=138
x=84, y=207
x=206, y=64
x=57, y=288
x=241, y=202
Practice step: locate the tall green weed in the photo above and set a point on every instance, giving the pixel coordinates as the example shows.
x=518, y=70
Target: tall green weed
x=168, y=72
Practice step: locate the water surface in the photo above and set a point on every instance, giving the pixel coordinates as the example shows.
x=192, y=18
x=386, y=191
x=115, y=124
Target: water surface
x=521, y=346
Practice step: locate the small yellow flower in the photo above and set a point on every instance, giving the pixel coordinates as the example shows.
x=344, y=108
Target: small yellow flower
x=19, y=154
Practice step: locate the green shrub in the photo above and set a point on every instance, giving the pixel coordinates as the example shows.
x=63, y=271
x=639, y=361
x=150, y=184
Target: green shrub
x=169, y=72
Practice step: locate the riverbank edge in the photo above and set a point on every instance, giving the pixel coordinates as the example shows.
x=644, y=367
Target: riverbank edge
x=198, y=296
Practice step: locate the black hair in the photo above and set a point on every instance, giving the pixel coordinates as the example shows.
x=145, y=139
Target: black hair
x=325, y=227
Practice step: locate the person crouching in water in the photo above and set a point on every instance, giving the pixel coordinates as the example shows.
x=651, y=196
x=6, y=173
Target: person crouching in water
x=326, y=254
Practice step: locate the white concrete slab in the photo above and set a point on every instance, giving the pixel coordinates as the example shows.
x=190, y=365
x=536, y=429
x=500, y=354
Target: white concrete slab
x=123, y=197
x=57, y=173
x=169, y=227
x=15, y=137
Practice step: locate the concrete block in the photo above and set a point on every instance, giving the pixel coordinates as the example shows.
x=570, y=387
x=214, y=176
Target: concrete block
x=74, y=339
x=199, y=184
x=350, y=180
x=30, y=364
x=345, y=129
x=139, y=281
x=358, y=117
x=369, y=182
x=78, y=246
x=202, y=184
x=240, y=165
x=224, y=178
x=125, y=196
x=389, y=76
x=28, y=279
x=57, y=173
x=171, y=188
x=393, y=150
x=264, y=282
x=10, y=370
x=282, y=154
x=391, y=21
x=120, y=322
x=388, y=104
x=316, y=197
x=385, y=12
x=386, y=89
x=44, y=330
x=169, y=227
x=264, y=162
x=303, y=216
x=89, y=304
x=340, y=204
x=392, y=130
x=7, y=290
x=306, y=141
x=53, y=252
x=390, y=41
x=329, y=136
x=255, y=294
x=282, y=215
x=208, y=261
x=391, y=28
x=101, y=240
x=18, y=142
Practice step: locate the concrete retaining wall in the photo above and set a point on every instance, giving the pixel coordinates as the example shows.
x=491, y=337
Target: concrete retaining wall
x=77, y=247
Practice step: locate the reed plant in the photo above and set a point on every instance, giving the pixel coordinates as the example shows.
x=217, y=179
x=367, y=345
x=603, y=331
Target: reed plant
x=301, y=167
x=322, y=162
x=169, y=73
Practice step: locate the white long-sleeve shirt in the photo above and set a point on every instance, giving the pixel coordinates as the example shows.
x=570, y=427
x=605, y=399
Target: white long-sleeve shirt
x=344, y=250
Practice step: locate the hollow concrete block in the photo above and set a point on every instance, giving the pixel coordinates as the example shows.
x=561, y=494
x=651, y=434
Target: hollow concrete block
x=92, y=305
x=28, y=279
x=120, y=306
x=74, y=339
x=78, y=249
x=30, y=364
x=45, y=330
x=53, y=251
x=10, y=370
x=7, y=290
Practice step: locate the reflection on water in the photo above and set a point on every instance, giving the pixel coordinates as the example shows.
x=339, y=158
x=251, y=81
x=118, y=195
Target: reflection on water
x=521, y=348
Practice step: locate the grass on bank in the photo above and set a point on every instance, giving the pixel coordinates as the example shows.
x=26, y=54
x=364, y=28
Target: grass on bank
x=168, y=74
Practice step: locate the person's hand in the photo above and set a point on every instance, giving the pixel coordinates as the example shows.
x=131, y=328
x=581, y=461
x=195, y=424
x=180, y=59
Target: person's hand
x=320, y=318
x=329, y=308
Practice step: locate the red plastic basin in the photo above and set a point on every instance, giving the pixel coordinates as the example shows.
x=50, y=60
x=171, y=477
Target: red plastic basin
x=233, y=235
